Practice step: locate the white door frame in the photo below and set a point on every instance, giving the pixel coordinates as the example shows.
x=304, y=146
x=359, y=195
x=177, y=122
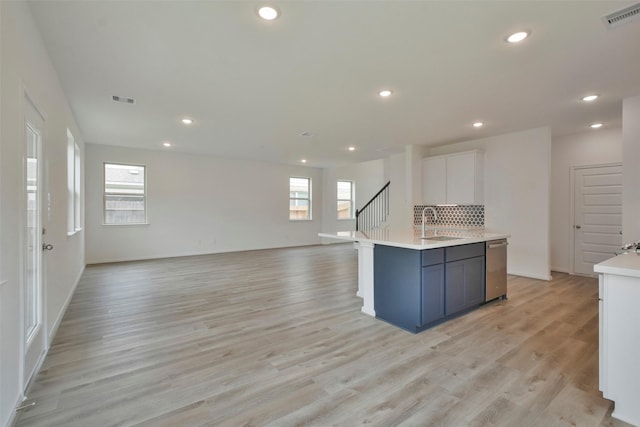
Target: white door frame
x=26, y=97
x=572, y=229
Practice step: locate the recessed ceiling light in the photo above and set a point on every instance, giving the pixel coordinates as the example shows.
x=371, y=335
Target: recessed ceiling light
x=306, y=134
x=123, y=99
x=166, y=144
x=385, y=93
x=187, y=121
x=352, y=148
x=303, y=161
x=596, y=126
x=478, y=124
x=518, y=37
x=268, y=13
x=590, y=98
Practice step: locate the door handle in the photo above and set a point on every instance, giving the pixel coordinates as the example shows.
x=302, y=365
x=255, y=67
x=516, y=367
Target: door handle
x=47, y=246
x=578, y=227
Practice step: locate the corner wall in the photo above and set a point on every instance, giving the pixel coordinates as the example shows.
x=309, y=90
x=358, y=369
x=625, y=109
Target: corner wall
x=198, y=205
x=3, y=421
x=588, y=148
x=401, y=207
x=413, y=163
x=25, y=65
x=517, y=170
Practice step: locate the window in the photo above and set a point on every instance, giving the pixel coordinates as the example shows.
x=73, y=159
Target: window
x=345, y=200
x=74, y=202
x=124, y=194
x=299, y=198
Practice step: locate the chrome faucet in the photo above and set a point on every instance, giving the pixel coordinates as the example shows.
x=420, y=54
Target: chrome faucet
x=435, y=218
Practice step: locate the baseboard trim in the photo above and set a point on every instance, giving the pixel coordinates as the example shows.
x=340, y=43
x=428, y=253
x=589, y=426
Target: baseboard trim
x=181, y=255
x=337, y=242
x=327, y=241
x=11, y=422
x=593, y=276
x=36, y=371
x=531, y=276
x=561, y=270
x=63, y=310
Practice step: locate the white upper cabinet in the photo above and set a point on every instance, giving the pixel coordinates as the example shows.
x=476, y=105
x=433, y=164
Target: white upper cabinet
x=453, y=179
x=434, y=172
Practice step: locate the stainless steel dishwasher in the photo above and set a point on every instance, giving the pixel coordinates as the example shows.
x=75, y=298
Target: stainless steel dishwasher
x=496, y=270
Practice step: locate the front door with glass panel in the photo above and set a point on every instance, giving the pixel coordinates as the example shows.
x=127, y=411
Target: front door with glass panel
x=34, y=328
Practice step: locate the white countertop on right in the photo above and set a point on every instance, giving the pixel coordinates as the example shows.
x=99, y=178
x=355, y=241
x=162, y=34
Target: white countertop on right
x=622, y=265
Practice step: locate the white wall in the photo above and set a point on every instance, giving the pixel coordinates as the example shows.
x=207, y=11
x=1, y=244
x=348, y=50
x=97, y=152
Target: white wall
x=413, y=164
x=400, y=209
x=368, y=178
x=25, y=65
x=517, y=173
x=199, y=205
x=2, y=281
x=631, y=169
x=595, y=147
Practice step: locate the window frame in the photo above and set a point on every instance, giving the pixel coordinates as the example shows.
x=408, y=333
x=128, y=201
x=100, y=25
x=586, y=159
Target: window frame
x=77, y=208
x=104, y=195
x=74, y=186
x=310, y=217
x=351, y=200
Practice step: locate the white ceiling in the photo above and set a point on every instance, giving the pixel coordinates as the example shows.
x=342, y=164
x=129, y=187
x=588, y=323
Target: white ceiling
x=254, y=86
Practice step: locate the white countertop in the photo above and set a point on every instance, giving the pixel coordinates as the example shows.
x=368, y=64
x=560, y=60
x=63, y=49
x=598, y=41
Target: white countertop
x=622, y=265
x=410, y=238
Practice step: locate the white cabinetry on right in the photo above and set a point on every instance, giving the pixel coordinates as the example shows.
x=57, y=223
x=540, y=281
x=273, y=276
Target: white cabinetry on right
x=619, y=341
x=453, y=179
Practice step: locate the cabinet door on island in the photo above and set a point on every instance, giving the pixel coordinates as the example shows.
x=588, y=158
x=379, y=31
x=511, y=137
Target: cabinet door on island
x=408, y=286
x=465, y=277
x=465, y=284
x=432, y=293
x=417, y=289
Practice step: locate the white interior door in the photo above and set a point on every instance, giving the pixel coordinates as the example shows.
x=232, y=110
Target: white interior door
x=33, y=309
x=597, y=226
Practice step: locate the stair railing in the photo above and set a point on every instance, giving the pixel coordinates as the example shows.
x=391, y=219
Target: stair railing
x=375, y=212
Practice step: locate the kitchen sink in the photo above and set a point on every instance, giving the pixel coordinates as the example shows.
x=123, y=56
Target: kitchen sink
x=441, y=238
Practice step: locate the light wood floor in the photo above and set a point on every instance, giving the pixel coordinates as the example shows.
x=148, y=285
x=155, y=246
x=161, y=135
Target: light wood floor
x=276, y=338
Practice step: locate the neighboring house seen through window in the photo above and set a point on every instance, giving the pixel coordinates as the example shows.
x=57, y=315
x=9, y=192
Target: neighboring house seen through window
x=124, y=194
x=299, y=198
x=345, y=200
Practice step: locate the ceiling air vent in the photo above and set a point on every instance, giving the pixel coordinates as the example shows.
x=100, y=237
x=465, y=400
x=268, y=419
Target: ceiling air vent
x=123, y=99
x=623, y=16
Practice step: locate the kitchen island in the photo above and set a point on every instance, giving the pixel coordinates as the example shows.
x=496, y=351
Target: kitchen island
x=619, y=352
x=415, y=283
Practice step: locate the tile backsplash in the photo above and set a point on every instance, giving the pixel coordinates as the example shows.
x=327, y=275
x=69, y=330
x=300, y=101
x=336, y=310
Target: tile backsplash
x=454, y=216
